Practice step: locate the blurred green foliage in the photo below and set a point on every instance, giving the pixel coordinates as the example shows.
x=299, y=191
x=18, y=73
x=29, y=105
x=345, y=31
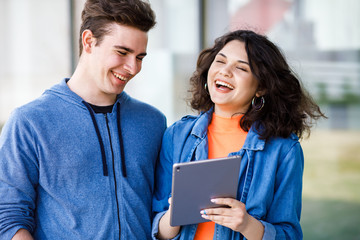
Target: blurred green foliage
x=331, y=192
x=348, y=96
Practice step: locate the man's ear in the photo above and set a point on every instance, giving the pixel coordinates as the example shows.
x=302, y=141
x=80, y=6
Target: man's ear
x=88, y=40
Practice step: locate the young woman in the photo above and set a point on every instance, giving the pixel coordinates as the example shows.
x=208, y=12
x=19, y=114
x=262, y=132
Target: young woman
x=252, y=105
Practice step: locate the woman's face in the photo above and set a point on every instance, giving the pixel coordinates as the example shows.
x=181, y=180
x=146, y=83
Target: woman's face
x=230, y=81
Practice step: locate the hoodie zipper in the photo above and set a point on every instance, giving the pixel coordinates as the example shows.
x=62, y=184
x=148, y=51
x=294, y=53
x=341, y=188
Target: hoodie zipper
x=113, y=164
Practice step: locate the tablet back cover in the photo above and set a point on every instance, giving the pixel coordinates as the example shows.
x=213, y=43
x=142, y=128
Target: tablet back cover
x=195, y=183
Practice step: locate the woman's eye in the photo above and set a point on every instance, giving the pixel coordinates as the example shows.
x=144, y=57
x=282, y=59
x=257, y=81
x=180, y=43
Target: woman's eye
x=220, y=61
x=242, y=69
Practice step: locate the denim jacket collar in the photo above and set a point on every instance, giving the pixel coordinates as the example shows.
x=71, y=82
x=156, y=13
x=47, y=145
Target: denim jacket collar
x=200, y=128
x=252, y=142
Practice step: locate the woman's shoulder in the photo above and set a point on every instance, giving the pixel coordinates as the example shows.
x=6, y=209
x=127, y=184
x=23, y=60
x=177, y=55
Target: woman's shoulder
x=254, y=141
x=291, y=139
x=190, y=120
x=284, y=145
x=190, y=124
x=186, y=122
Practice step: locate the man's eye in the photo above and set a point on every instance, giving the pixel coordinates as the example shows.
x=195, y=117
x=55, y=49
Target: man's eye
x=122, y=53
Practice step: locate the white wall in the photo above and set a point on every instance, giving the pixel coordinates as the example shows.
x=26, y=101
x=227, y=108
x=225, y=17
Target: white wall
x=35, y=49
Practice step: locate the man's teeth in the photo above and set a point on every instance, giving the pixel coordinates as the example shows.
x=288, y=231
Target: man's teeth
x=120, y=77
x=221, y=83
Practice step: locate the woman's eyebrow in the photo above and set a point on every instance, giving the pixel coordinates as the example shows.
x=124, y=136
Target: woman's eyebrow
x=240, y=61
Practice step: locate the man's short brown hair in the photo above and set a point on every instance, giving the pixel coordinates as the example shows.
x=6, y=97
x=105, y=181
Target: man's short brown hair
x=98, y=14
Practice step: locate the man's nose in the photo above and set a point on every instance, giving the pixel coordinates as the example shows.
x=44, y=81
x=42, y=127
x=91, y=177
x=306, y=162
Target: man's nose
x=132, y=66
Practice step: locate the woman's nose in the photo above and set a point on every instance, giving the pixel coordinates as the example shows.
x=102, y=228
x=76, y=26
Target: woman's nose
x=226, y=71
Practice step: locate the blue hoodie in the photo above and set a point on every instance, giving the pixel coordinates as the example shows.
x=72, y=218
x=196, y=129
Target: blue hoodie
x=66, y=174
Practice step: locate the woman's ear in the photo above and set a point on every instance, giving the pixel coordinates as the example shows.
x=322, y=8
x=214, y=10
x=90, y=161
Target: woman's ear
x=88, y=40
x=260, y=93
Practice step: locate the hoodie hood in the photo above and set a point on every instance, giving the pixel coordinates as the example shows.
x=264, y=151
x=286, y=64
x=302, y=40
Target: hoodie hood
x=63, y=91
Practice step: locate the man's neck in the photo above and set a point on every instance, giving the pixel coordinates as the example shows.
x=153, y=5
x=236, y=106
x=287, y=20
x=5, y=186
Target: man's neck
x=82, y=86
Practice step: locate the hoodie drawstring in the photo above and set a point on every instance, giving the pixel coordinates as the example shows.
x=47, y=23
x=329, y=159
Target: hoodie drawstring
x=122, y=154
x=105, y=169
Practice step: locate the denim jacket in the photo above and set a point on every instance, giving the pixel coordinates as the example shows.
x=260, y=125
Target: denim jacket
x=270, y=180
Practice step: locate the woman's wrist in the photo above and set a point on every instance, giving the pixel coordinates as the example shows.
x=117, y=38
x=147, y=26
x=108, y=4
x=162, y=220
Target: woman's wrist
x=166, y=231
x=254, y=229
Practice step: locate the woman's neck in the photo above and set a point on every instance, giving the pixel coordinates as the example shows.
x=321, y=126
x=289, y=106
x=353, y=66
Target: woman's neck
x=227, y=113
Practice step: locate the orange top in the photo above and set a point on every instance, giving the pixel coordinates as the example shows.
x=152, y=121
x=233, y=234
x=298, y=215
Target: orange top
x=225, y=136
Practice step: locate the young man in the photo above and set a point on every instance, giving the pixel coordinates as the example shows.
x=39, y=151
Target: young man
x=78, y=162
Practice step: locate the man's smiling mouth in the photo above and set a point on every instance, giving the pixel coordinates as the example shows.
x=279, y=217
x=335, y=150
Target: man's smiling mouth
x=120, y=77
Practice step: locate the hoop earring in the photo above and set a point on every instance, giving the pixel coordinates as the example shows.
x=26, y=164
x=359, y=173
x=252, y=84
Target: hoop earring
x=206, y=88
x=255, y=105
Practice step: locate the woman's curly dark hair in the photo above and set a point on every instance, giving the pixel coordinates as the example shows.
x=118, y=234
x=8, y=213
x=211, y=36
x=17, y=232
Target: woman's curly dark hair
x=288, y=107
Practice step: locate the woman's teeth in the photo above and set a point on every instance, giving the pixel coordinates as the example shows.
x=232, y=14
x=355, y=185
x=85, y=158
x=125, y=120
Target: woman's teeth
x=224, y=84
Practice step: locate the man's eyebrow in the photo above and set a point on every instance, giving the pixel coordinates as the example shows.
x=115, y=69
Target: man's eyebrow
x=240, y=61
x=129, y=50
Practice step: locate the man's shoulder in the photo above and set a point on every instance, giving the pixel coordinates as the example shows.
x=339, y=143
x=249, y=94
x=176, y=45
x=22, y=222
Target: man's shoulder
x=139, y=106
x=37, y=105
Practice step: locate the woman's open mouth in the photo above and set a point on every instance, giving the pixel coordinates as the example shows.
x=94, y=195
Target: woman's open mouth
x=221, y=85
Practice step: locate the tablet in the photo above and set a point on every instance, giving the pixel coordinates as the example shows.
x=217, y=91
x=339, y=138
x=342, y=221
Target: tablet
x=195, y=183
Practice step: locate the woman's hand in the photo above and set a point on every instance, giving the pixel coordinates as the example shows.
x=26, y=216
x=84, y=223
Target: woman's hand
x=234, y=217
x=166, y=231
x=22, y=234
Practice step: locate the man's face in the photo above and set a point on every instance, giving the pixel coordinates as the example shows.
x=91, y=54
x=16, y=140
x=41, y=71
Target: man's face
x=116, y=60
